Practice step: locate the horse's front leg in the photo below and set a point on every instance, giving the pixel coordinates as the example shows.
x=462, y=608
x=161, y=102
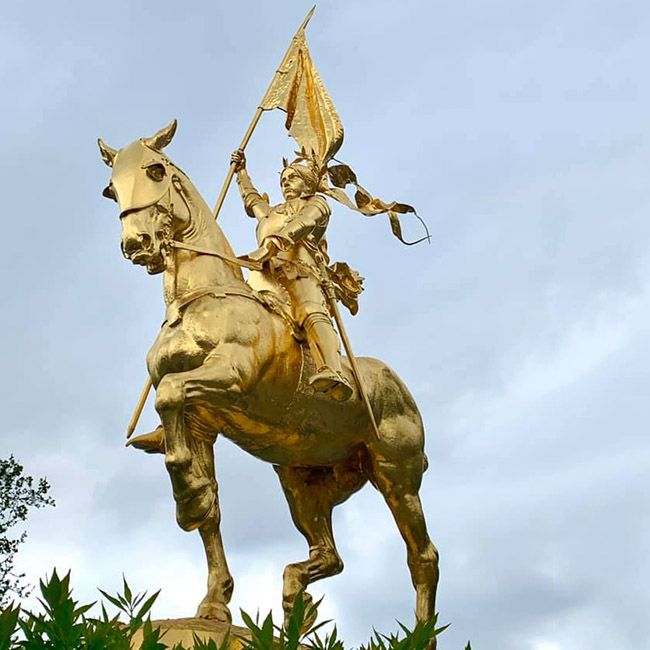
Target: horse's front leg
x=220, y=583
x=190, y=462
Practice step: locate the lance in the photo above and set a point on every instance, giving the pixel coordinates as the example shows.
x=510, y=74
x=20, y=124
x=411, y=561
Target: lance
x=222, y=196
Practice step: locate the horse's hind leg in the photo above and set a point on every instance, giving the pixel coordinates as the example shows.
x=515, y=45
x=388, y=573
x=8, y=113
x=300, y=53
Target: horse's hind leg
x=396, y=467
x=312, y=494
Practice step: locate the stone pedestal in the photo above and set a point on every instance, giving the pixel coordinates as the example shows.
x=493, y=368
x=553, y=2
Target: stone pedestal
x=182, y=630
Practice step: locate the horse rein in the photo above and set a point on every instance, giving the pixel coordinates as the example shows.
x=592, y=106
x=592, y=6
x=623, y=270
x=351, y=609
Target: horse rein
x=248, y=264
x=172, y=243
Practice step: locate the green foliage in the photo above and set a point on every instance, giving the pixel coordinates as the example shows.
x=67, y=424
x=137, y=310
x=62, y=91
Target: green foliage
x=135, y=607
x=210, y=644
x=65, y=625
x=18, y=493
x=300, y=626
x=8, y=625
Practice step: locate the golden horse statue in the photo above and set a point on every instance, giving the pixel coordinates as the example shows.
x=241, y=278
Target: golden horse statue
x=225, y=363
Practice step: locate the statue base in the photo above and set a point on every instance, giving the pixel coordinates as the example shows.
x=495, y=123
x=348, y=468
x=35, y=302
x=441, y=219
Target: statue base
x=182, y=630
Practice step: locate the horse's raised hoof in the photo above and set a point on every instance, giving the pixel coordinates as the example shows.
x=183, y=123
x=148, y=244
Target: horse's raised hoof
x=152, y=442
x=214, y=611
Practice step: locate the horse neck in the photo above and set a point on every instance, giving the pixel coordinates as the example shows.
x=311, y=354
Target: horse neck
x=188, y=271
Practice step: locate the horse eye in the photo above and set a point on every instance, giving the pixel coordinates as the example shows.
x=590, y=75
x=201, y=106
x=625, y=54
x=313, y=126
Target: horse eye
x=109, y=193
x=156, y=172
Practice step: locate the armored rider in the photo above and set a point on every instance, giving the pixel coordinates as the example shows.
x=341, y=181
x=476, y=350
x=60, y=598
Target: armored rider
x=291, y=240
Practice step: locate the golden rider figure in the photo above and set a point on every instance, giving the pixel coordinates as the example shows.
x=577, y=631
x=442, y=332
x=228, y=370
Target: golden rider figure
x=291, y=236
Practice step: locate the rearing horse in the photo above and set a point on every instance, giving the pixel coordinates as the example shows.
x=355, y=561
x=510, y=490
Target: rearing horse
x=224, y=363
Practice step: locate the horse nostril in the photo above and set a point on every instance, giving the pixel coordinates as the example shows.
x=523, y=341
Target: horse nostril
x=145, y=242
x=131, y=246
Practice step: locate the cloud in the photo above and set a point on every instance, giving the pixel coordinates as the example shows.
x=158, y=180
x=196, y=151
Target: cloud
x=519, y=134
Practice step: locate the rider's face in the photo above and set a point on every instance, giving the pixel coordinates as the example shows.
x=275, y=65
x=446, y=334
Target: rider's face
x=292, y=184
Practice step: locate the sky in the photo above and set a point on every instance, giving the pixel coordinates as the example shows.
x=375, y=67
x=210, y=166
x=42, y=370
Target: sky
x=519, y=130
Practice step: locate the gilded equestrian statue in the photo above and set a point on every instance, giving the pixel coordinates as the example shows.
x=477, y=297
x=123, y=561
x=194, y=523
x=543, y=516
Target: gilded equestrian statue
x=227, y=363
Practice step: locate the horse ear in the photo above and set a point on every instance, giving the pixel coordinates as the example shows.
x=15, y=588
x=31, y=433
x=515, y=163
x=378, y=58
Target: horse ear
x=161, y=139
x=108, y=153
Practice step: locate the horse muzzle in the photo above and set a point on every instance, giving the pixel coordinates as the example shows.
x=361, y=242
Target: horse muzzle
x=136, y=248
x=141, y=251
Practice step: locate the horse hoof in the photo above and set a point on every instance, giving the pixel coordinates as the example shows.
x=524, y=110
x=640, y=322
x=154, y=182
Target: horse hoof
x=214, y=611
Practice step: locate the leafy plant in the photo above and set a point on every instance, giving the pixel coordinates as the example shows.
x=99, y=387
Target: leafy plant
x=65, y=625
x=8, y=625
x=210, y=644
x=419, y=638
x=135, y=607
x=300, y=626
x=61, y=625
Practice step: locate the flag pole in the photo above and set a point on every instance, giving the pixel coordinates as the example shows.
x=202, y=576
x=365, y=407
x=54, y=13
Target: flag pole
x=222, y=196
x=138, y=409
x=256, y=117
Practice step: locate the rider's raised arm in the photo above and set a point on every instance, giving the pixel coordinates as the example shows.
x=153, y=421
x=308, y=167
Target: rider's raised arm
x=255, y=204
x=314, y=216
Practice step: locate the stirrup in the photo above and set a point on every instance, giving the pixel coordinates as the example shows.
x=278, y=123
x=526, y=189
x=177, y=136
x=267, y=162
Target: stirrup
x=332, y=383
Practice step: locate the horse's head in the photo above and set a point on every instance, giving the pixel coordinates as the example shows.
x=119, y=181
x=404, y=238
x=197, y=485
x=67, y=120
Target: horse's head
x=149, y=189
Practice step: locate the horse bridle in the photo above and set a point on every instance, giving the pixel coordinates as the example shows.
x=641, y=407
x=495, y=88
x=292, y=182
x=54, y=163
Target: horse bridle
x=238, y=261
x=169, y=243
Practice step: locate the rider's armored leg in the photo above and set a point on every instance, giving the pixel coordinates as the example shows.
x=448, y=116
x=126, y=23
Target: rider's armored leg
x=324, y=345
x=310, y=311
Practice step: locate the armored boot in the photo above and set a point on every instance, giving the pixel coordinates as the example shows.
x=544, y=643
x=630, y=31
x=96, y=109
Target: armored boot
x=152, y=442
x=324, y=345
